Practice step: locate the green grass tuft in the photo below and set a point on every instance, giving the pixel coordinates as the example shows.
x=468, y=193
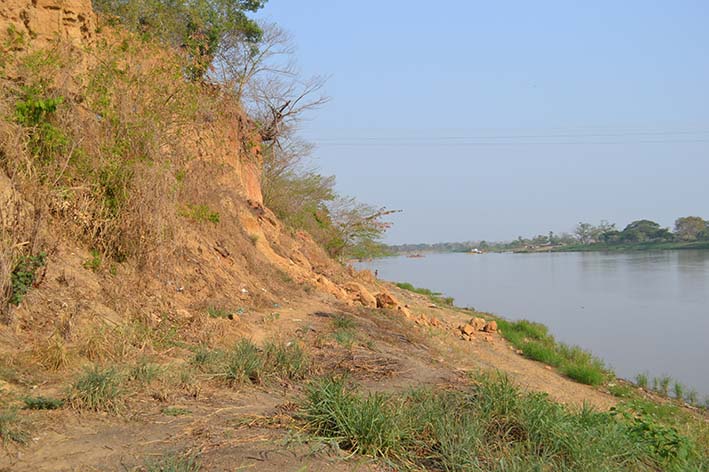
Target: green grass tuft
x=97, y=389
x=11, y=428
x=173, y=463
x=244, y=364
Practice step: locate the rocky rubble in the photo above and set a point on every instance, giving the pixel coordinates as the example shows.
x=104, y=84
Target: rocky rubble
x=476, y=325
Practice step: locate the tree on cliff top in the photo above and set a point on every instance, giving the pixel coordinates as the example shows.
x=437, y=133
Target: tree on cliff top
x=198, y=26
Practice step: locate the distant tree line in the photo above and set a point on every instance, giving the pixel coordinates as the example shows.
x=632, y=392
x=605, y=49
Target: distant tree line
x=686, y=229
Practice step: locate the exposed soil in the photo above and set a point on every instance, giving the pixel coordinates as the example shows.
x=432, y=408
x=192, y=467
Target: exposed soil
x=251, y=428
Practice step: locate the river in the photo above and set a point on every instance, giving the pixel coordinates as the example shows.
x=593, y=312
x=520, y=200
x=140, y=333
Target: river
x=638, y=311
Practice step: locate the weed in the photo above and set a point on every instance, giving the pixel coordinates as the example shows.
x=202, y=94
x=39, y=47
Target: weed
x=691, y=397
x=343, y=322
x=53, y=354
x=144, y=372
x=344, y=330
x=254, y=238
x=678, y=390
x=543, y=353
x=205, y=358
x=244, y=363
x=11, y=429
x=288, y=361
x=43, y=403
x=664, y=385
x=621, y=390
x=214, y=312
x=642, y=380
x=94, y=263
x=175, y=411
x=200, y=213
x=96, y=390
x=584, y=373
x=173, y=463
x=25, y=275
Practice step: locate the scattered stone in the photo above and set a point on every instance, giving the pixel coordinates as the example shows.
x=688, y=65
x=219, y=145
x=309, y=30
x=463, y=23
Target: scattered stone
x=386, y=300
x=467, y=329
x=477, y=323
x=360, y=294
x=490, y=327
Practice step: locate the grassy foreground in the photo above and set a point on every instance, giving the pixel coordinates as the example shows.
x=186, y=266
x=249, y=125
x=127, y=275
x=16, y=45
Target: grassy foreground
x=490, y=425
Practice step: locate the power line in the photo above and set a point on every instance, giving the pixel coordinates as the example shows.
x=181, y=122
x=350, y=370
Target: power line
x=497, y=143
x=514, y=136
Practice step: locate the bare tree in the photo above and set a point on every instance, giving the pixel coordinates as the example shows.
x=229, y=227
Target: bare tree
x=266, y=79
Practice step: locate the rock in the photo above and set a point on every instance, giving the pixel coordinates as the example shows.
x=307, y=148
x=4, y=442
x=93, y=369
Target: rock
x=360, y=294
x=477, y=323
x=467, y=329
x=386, y=300
x=435, y=322
x=490, y=327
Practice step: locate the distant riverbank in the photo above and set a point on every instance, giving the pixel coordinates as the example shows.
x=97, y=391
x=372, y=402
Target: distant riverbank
x=649, y=246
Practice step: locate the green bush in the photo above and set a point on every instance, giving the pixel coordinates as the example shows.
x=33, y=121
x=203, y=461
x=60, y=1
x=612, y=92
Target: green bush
x=24, y=276
x=43, y=403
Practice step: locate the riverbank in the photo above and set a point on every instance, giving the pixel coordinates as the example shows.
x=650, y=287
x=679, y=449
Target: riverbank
x=661, y=246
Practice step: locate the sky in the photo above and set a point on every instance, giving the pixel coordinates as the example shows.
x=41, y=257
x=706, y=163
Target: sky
x=489, y=120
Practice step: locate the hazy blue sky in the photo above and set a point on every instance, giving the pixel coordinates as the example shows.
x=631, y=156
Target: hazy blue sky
x=488, y=120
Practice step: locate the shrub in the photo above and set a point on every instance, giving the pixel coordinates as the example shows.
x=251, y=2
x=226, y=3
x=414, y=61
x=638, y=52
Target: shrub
x=43, y=403
x=25, y=275
x=96, y=390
